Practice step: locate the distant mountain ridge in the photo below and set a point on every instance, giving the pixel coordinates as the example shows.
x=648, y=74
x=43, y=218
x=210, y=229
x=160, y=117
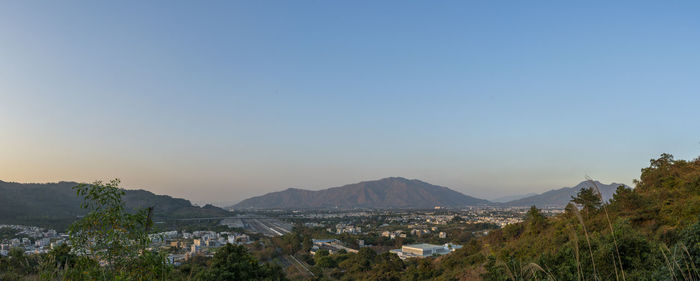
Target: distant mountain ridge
x=395, y=192
x=504, y=199
x=56, y=204
x=561, y=197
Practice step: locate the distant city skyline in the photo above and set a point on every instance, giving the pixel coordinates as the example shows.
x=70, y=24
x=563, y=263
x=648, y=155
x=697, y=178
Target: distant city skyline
x=222, y=102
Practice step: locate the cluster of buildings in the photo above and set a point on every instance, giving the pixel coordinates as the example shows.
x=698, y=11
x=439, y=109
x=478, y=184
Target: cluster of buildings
x=495, y=215
x=31, y=239
x=429, y=217
x=500, y=221
x=415, y=230
x=419, y=232
x=394, y=234
x=188, y=245
x=35, y=240
x=345, y=228
x=424, y=250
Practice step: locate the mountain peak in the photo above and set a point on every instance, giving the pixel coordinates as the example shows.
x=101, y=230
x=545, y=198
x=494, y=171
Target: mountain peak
x=391, y=192
x=561, y=197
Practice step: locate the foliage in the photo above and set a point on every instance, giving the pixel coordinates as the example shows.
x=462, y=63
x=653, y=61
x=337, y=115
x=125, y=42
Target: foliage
x=233, y=262
x=662, y=210
x=650, y=232
x=589, y=199
x=17, y=264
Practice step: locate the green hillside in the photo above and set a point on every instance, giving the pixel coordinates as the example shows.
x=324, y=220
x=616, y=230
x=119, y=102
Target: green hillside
x=56, y=204
x=650, y=232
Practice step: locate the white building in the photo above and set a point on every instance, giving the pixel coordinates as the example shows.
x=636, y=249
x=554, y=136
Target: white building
x=424, y=250
x=43, y=242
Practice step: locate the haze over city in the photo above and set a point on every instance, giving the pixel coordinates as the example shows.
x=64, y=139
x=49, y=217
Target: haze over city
x=220, y=102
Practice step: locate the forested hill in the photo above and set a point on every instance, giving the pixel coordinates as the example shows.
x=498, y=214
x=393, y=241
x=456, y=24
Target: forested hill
x=655, y=233
x=56, y=204
x=655, y=236
x=395, y=192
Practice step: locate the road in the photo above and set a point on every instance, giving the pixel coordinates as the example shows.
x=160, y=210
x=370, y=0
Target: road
x=259, y=224
x=264, y=225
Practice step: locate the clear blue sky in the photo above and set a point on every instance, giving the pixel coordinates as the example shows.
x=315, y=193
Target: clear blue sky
x=218, y=101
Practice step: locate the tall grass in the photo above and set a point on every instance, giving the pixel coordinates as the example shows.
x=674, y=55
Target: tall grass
x=529, y=271
x=574, y=209
x=574, y=238
x=612, y=232
x=533, y=268
x=690, y=273
x=668, y=262
x=690, y=258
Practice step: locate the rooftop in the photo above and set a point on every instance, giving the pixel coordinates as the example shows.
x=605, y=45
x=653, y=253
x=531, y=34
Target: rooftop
x=422, y=246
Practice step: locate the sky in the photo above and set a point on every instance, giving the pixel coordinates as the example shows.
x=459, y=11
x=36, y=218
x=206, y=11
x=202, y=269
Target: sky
x=218, y=101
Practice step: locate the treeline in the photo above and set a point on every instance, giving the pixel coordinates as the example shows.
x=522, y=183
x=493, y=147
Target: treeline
x=111, y=243
x=651, y=232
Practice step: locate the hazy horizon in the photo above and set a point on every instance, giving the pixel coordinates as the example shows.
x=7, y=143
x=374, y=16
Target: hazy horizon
x=221, y=102
x=225, y=203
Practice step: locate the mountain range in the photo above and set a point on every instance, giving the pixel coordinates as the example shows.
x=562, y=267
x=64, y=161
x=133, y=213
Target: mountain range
x=561, y=197
x=56, y=204
x=393, y=192
x=508, y=198
x=397, y=192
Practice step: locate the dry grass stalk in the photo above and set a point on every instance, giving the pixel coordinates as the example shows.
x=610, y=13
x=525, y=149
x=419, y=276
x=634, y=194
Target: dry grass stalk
x=574, y=209
x=617, y=276
x=675, y=261
x=690, y=258
x=574, y=238
x=508, y=271
x=612, y=232
x=668, y=263
x=532, y=268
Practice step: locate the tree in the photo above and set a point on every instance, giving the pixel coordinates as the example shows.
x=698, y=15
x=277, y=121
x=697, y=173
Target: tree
x=306, y=244
x=110, y=235
x=588, y=198
x=233, y=262
x=535, y=220
x=292, y=243
x=325, y=261
x=107, y=232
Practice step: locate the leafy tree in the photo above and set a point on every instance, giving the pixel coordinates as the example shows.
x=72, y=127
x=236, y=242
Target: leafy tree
x=233, y=262
x=108, y=232
x=17, y=264
x=322, y=253
x=588, y=198
x=535, y=220
x=62, y=255
x=292, y=242
x=58, y=260
x=306, y=244
x=111, y=236
x=325, y=261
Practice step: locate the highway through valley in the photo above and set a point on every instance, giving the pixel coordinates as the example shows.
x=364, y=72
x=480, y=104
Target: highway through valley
x=264, y=225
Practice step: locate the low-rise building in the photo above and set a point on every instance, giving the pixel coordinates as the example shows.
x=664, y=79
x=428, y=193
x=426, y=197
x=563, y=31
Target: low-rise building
x=424, y=250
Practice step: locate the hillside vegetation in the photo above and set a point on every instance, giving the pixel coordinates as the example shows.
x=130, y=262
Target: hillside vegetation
x=56, y=205
x=650, y=232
